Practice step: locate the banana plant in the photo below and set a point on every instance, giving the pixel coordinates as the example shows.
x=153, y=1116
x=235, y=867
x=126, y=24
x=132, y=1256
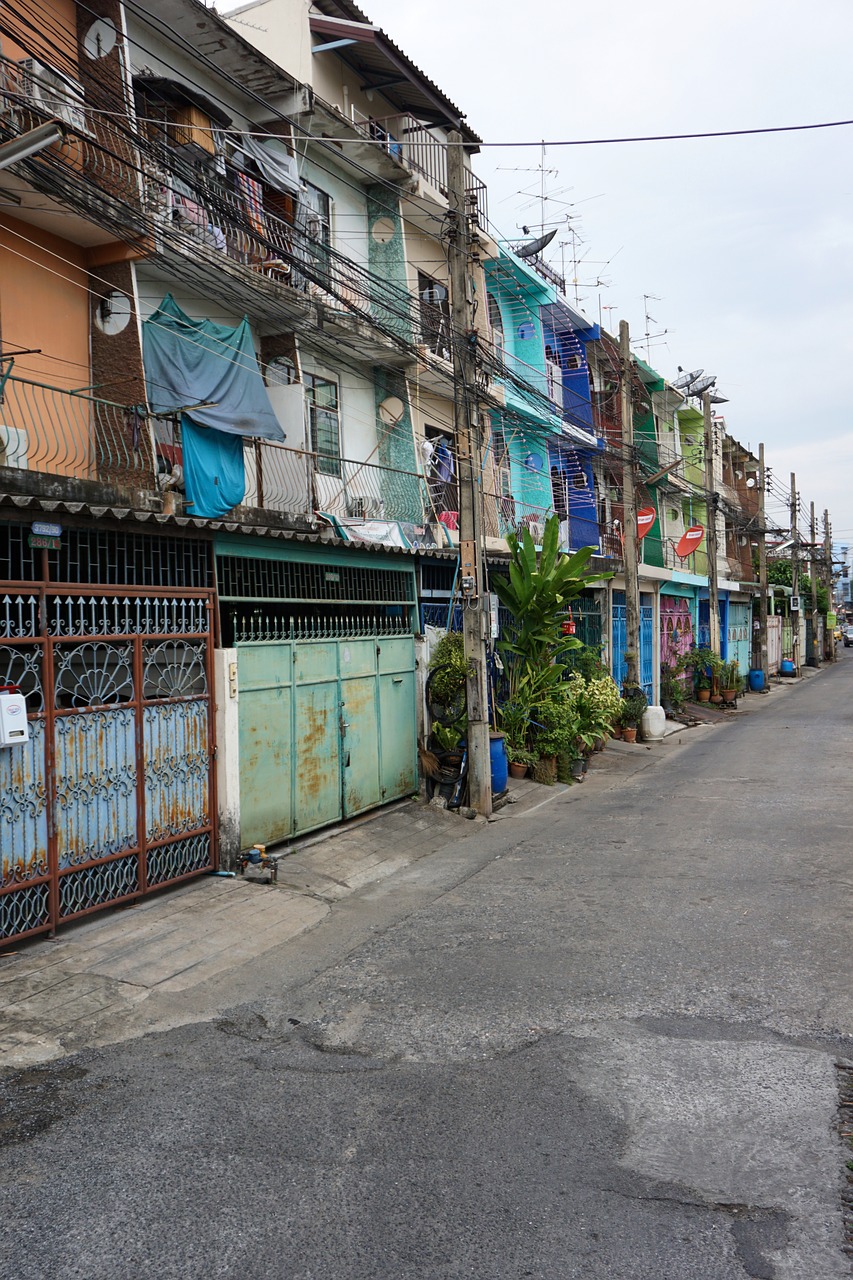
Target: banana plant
x=537, y=594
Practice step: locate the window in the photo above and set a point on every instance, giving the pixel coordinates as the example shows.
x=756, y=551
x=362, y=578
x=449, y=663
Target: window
x=316, y=215
x=434, y=315
x=496, y=321
x=324, y=422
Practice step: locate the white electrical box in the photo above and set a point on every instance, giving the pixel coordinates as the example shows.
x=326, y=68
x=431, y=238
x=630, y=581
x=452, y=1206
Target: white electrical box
x=14, y=727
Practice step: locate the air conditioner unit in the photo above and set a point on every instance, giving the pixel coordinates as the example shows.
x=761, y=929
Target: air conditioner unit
x=14, y=448
x=55, y=95
x=365, y=508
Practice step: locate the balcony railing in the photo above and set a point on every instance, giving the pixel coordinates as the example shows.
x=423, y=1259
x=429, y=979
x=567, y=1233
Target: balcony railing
x=295, y=481
x=54, y=431
x=407, y=140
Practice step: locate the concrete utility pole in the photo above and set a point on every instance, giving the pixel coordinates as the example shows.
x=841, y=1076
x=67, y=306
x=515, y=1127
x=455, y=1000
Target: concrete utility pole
x=629, y=516
x=795, y=574
x=762, y=566
x=472, y=577
x=814, y=655
x=711, y=532
x=829, y=641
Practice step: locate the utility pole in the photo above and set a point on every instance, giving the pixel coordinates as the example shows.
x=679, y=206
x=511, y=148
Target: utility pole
x=814, y=655
x=762, y=566
x=711, y=533
x=472, y=576
x=829, y=642
x=629, y=516
x=795, y=575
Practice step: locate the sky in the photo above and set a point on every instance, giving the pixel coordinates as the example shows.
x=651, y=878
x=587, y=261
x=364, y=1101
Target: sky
x=745, y=243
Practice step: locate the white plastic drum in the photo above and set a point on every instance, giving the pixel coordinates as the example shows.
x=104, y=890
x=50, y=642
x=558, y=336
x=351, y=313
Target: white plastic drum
x=653, y=724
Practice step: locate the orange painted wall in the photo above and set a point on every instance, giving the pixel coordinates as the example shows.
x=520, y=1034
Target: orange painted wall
x=44, y=303
x=54, y=40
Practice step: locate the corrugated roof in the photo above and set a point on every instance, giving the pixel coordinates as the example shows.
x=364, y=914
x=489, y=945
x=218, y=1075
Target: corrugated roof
x=416, y=93
x=23, y=502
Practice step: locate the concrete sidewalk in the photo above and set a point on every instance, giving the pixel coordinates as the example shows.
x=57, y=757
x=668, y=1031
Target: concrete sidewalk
x=180, y=955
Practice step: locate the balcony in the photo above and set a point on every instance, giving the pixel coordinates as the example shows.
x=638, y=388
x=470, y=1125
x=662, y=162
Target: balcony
x=408, y=141
x=52, y=439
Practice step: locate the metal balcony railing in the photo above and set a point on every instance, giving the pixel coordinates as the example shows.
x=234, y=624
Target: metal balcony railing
x=410, y=142
x=54, y=431
x=296, y=481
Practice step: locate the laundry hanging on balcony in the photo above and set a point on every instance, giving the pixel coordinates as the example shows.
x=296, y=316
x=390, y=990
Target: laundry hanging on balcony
x=271, y=159
x=207, y=375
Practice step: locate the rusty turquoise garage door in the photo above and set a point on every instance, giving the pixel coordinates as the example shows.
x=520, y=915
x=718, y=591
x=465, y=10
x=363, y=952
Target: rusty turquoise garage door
x=327, y=730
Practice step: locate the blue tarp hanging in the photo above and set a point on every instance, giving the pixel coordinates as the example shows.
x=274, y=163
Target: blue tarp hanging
x=196, y=362
x=189, y=362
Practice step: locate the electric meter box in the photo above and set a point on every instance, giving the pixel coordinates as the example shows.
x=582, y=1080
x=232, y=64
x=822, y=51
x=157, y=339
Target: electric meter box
x=14, y=727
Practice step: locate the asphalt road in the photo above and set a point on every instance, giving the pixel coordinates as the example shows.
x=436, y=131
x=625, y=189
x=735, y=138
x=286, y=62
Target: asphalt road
x=599, y=1042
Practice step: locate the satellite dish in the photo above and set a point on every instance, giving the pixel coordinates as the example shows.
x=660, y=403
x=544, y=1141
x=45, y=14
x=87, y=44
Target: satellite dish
x=750, y=484
x=535, y=246
x=719, y=399
x=689, y=540
x=682, y=383
x=702, y=385
x=434, y=294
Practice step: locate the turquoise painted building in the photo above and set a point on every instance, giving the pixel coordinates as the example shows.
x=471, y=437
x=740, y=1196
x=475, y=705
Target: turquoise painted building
x=542, y=440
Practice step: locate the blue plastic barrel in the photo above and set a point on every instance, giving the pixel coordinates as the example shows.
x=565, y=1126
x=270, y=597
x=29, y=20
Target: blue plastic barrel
x=786, y=667
x=756, y=680
x=500, y=768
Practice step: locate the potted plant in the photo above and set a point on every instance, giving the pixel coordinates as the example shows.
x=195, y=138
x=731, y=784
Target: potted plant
x=630, y=715
x=730, y=681
x=520, y=760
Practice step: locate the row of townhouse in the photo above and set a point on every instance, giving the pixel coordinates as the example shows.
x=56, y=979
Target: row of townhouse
x=228, y=473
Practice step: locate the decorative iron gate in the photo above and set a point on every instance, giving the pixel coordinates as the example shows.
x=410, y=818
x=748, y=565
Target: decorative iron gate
x=113, y=794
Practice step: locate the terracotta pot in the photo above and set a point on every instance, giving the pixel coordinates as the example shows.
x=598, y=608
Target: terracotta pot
x=617, y=731
x=703, y=695
x=716, y=698
x=729, y=695
x=517, y=769
x=630, y=735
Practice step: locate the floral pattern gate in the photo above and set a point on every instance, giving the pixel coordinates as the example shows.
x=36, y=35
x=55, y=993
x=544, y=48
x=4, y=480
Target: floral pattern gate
x=112, y=795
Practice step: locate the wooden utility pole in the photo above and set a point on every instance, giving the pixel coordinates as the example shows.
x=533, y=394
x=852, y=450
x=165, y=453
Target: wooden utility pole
x=711, y=532
x=629, y=517
x=762, y=566
x=472, y=577
x=795, y=575
x=814, y=655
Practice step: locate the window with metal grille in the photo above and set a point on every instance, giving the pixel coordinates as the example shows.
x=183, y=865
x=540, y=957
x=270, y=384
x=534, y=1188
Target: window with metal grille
x=18, y=561
x=321, y=396
x=107, y=557
x=245, y=578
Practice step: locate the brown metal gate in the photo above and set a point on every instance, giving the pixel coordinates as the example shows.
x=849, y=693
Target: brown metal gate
x=113, y=796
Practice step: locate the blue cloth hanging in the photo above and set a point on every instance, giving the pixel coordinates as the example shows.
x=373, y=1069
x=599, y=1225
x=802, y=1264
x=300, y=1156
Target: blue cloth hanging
x=214, y=475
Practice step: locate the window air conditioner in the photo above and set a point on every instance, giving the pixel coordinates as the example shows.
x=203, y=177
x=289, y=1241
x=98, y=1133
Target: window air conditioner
x=54, y=94
x=14, y=448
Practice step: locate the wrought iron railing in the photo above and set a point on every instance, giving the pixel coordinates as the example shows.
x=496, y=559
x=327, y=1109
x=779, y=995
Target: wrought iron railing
x=60, y=432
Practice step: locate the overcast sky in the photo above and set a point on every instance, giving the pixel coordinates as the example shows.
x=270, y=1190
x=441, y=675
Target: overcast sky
x=746, y=241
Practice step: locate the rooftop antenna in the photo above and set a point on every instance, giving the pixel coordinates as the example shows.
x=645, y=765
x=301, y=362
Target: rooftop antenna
x=647, y=337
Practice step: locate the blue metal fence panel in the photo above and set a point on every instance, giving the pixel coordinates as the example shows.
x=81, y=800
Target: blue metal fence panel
x=620, y=641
